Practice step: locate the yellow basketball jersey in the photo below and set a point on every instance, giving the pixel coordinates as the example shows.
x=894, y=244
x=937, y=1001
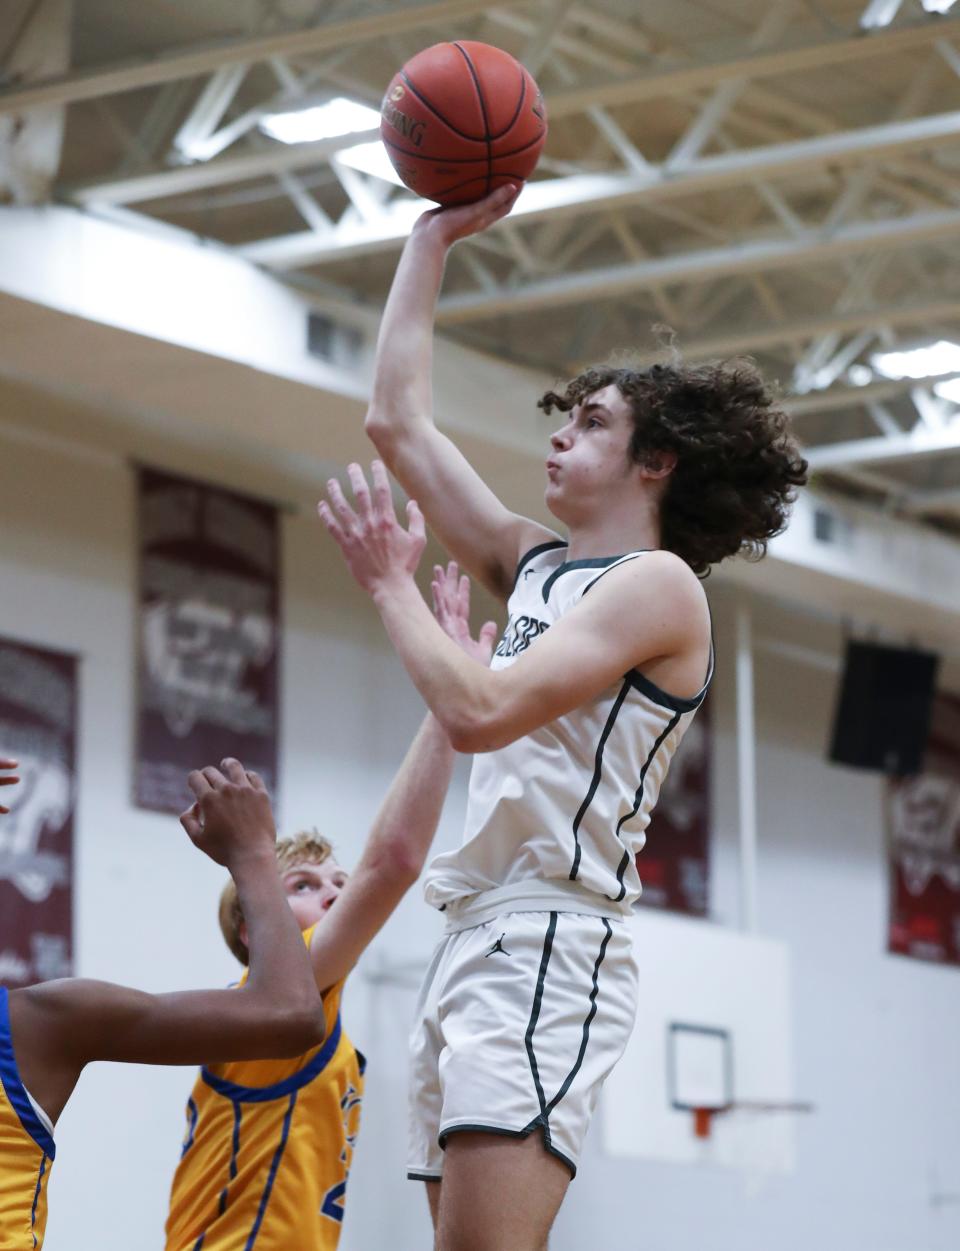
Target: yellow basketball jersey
x=26, y=1153
x=268, y=1149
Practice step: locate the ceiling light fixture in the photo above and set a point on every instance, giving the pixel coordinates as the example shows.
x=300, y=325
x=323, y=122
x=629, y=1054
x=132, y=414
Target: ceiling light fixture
x=880, y=13
x=339, y=116
x=942, y=357
x=949, y=390
x=370, y=158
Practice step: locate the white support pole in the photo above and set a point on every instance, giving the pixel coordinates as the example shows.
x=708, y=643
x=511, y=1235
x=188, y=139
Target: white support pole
x=746, y=772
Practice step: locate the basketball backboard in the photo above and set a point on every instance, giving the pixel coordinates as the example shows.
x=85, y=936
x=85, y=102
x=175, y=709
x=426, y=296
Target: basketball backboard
x=713, y=1029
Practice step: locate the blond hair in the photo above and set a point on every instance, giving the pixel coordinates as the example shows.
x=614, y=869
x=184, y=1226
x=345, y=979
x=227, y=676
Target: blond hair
x=306, y=847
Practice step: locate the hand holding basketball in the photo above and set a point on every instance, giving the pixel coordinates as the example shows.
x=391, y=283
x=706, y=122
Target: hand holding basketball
x=449, y=225
x=375, y=546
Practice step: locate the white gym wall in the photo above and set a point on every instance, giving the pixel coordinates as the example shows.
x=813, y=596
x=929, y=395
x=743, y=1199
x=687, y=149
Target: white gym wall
x=875, y=1036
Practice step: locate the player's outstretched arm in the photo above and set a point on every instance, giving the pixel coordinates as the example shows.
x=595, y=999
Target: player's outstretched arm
x=648, y=612
x=7, y=778
x=469, y=520
x=407, y=821
x=59, y=1027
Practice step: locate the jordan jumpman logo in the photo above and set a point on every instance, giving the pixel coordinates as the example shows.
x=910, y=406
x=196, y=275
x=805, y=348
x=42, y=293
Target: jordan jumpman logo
x=498, y=947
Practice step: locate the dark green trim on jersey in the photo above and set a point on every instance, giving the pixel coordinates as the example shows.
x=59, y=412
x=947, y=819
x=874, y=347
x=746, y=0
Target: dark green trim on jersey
x=637, y=801
x=526, y=558
x=595, y=780
x=595, y=562
x=674, y=702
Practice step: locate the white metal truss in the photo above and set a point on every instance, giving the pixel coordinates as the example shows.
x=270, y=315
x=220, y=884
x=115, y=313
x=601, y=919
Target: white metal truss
x=142, y=72
x=224, y=171
x=917, y=444
x=757, y=256
x=581, y=193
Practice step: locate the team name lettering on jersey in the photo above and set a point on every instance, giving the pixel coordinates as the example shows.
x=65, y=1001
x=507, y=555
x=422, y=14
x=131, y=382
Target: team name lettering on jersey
x=519, y=634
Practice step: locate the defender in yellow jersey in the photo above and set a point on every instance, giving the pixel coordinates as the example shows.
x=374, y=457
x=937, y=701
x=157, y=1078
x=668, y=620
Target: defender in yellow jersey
x=268, y=1145
x=270, y=1136
x=48, y=1033
x=26, y=1150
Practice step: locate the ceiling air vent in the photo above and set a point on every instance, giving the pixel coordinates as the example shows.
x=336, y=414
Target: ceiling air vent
x=824, y=526
x=332, y=341
x=832, y=528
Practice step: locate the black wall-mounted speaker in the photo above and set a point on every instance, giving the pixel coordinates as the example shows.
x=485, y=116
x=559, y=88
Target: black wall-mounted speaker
x=883, y=712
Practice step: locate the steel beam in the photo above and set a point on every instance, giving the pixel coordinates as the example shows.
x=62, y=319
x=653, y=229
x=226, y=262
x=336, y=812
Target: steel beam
x=209, y=108
x=697, y=266
x=913, y=446
x=725, y=95
x=203, y=58
x=946, y=499
x=589, y=192
x=279, y=159
x=769, y=63
x=835, y=399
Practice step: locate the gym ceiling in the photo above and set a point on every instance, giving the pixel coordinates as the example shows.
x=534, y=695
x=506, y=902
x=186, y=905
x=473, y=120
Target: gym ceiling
x=778, y=179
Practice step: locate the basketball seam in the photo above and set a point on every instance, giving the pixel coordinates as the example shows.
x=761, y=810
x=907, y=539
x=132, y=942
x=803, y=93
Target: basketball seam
x=513, y=120
x=436, y=112
x=516, y=113
x=483, y=110
x=459, y=160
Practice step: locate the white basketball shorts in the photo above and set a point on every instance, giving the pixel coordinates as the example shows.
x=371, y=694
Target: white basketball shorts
x=520, y=1020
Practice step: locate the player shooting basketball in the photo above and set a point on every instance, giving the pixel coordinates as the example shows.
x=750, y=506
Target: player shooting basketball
x=655, y=475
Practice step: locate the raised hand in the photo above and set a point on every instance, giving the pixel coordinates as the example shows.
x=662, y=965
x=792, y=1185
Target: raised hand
x=231, y=819
x=5, y=778
x=448, y=225
x=375, y=546
x=451, y=605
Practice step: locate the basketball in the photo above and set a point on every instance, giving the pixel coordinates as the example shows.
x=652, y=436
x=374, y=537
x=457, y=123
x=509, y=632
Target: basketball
x=461, y=119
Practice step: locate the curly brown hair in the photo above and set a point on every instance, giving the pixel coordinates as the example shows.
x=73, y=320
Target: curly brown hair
x=737, y=467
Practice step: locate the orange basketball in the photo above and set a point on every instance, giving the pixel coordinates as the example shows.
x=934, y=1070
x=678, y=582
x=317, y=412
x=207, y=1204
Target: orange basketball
x=461, y=119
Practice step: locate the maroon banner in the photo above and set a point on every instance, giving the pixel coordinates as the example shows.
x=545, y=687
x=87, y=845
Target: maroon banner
x=923, y=830
x=38, y=710
x=209, y=635
x=675, y=863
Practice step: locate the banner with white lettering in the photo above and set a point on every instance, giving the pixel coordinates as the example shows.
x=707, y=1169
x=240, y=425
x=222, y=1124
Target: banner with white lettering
x=923, y=834
x=208, y=635
x=674, y=865
x=38, y=712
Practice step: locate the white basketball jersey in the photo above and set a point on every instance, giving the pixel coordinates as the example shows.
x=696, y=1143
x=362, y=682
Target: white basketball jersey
x=563, y=810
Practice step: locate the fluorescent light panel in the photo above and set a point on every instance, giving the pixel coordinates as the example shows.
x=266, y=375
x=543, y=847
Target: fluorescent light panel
x=370, y=158
x=339, y=116
x=880, y=13
x=942, y=357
